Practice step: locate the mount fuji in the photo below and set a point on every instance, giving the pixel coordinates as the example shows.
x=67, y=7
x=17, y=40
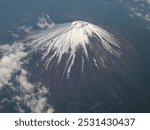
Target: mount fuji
x=83, y=66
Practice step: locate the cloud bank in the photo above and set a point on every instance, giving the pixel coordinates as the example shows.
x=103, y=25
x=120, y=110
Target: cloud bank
x=32, y=96
x=10, y=62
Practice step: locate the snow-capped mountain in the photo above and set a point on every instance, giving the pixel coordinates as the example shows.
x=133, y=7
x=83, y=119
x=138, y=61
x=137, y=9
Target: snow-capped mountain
x=80, y=63
x=67, y=42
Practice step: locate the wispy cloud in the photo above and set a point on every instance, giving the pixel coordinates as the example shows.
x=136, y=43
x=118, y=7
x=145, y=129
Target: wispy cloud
x=138, y=8
x=45, y=22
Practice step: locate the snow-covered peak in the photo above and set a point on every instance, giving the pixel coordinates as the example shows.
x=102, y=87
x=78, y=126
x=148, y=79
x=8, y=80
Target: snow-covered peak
x=67, y=38
x=79, y=24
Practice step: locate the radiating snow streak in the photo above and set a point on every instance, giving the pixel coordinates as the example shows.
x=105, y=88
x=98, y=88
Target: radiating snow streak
x=66, y=39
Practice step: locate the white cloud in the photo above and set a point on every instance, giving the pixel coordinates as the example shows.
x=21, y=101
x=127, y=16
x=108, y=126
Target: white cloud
x=37, y=105
x=45, y=22
x=22, y=79
x=25, y=29
x=138, y=8
x=35, y=100
x=148, y=1
x=10, y=62
x=147, y=17
x=9, y=49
